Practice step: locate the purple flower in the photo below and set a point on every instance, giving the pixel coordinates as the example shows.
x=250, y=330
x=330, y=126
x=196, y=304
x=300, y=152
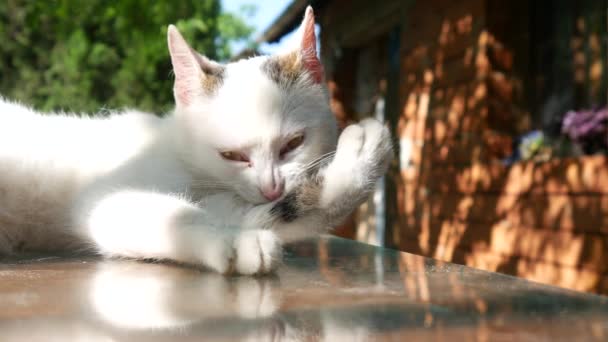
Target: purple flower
x=588, y=128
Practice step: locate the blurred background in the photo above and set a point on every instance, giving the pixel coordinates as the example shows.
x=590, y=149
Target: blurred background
x=498, y=109
x=83, y=56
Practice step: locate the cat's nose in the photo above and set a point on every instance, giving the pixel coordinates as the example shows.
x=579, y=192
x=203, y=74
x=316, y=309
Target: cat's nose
x=273, y=193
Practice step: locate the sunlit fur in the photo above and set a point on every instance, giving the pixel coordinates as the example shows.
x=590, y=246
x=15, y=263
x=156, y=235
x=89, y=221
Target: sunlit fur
x=132, y=184
x=251, y=113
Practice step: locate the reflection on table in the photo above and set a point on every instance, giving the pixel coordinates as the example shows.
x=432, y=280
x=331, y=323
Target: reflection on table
x=328, y=289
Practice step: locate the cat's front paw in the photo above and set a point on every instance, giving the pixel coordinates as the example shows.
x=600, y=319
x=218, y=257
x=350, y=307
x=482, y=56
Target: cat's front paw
x=366, y=146
x=256, y=252
x=362, y=156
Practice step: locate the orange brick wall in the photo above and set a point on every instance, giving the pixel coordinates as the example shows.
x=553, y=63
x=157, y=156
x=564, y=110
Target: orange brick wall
x=464, y=93
x=463, y=87
x=545, y=221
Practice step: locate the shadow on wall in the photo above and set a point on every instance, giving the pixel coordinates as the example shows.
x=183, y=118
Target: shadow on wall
x=464, y=96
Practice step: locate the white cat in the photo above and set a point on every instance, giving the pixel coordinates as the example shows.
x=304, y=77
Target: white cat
x=244, y=162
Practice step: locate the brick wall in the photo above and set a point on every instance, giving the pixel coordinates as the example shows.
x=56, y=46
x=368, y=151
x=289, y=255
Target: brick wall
x=471, y=78
x=466, y=92
x=545, y=221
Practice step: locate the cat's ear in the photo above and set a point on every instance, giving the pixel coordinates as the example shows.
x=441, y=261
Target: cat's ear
x=195, y=75
x=308, y=46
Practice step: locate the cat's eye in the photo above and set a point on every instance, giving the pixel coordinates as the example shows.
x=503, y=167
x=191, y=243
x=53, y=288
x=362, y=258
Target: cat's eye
x=292, y=144
x=234, y=156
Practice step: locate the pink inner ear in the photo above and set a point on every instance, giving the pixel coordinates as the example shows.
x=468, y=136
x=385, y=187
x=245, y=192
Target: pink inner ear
x=309, y=46
x=185, y=66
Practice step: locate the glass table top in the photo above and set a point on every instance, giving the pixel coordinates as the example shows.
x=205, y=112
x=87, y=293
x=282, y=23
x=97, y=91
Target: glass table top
x=327, y=289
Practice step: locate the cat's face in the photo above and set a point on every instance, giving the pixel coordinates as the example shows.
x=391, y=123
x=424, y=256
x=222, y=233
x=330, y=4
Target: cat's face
x=254, y=125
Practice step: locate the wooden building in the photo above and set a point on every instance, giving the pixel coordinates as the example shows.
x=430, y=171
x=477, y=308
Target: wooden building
x=457, y=81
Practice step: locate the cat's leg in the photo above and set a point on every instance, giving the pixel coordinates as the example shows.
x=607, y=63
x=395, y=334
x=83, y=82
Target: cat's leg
x=321, y=202
x=362, y=157
x=150, y=225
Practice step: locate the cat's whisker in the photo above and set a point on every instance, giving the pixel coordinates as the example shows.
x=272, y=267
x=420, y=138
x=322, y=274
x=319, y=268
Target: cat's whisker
x=210, y=183
x=325, y=155
x=320, y=159
x=202, y=187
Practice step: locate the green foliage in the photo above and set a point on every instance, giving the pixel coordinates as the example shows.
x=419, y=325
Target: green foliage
x=87, y=55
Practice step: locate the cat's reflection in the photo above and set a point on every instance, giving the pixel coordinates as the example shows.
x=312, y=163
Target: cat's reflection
x=136, y=301
x=144, y=296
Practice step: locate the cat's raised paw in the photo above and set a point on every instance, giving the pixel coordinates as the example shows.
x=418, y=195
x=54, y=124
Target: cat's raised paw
x=256, y=252
x=366, y=144
x=351, y=141
x=376, y=147
x=362, y=156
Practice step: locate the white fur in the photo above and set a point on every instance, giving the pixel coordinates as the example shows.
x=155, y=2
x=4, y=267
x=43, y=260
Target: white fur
x=360, y=154
x=127, y=185
x=135, y=185
x=155, y=297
